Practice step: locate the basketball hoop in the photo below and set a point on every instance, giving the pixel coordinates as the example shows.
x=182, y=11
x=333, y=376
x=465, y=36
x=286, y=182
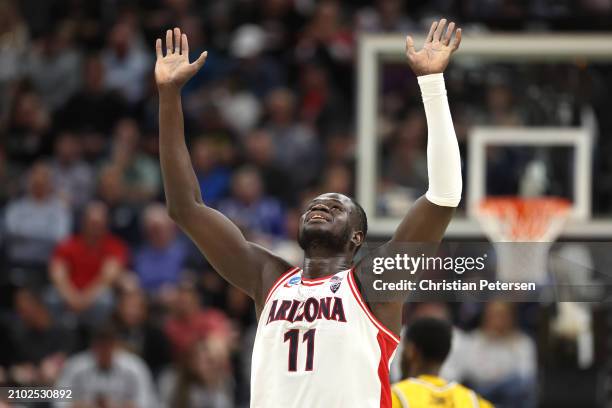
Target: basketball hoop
x=522, y=230
x=521, y=219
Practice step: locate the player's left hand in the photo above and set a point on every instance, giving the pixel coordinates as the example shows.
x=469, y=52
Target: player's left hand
x=433, y=58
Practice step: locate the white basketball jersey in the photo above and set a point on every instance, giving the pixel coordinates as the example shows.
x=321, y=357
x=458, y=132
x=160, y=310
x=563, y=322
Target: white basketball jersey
x=318, y=345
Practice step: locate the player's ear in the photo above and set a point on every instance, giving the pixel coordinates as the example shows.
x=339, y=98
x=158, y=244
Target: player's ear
x=358, y=238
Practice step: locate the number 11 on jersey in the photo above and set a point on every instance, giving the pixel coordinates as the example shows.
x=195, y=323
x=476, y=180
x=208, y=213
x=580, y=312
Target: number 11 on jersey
x=292, y=336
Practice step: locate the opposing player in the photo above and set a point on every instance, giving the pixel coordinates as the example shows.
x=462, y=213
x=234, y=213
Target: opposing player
x=427, y=344
x=318, y=343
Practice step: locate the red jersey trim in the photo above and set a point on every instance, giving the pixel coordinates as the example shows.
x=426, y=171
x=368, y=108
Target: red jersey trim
x=387, y=348
x=366, y=309
x=315, y=280
x=279, y=281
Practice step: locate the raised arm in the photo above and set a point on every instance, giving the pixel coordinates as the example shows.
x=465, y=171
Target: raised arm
x=242, y=263
x=427, y=219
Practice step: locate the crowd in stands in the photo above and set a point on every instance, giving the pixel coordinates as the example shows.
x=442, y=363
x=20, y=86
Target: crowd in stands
x=94, y=275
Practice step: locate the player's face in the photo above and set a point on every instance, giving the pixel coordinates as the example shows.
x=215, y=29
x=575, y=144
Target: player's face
x=327, y=220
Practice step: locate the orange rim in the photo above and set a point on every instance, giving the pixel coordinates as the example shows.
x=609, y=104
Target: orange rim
x=524, y=218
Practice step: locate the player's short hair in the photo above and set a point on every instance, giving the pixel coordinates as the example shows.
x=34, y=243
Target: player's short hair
x=363, y=218
x=431, y=337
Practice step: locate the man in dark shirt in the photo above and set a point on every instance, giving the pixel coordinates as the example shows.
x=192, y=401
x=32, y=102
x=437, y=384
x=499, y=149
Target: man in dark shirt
x=38, y=344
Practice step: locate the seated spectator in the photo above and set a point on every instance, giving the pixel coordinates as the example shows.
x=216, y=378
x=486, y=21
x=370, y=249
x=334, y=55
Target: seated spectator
x=249, y=208
x=140, y=172
x=39, y=344
x=499, y=360
x=252, y=70
x=126, y=61
x=260, y=153
x=36, y=222
x=159, y=262
x=407, y=164
x=123, y=215
x=85, y=267
x=337, y=178
x=106, y=376
x=27, y=128
x=93, y=109
x=296, y=144
x=54, y=64
x=190, y=322
x=73, y=178
x=14, y=41
x=213, y=176
x=203, y=378
x=138, y=333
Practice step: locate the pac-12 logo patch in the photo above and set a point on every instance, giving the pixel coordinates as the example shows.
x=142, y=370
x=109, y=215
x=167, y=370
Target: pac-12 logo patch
x=334, y=283
x=293, y=281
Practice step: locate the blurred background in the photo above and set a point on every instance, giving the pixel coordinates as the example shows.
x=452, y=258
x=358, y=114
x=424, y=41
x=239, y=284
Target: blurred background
x=93, y=273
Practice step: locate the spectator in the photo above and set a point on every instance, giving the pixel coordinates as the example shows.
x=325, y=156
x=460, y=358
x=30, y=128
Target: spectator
x=126, y=62
x=14, y=42
x=73, y=178
x=85, y=267
x=54, y=66
x=139, y=333
x=327, y=38
x=320, y=105
x=93, y=109
x=501, y=103
x=499, y=360
x=337, y=178
x=294, y=142
x=140, y=172
x=213, y=175
x=203, y=378
x=260, y=152
x=250, y=209
x=189, y=322
x=407, y=162
x=28, y=127
x=387, y=16
x=39, y=344
x=160, y=261
x=106, y=376
x=36, y=222
x=123, y=215
x=253, y=71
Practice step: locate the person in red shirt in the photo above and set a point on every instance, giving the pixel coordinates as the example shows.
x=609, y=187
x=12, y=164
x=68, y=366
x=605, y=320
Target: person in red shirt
x=190, y=322
x=85, y=267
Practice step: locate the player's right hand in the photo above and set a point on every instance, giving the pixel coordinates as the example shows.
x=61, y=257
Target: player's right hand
x=173, y=69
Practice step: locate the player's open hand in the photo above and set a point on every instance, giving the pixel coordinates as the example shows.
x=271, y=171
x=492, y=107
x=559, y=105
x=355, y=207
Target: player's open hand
x=173, y=70
x=433, y=58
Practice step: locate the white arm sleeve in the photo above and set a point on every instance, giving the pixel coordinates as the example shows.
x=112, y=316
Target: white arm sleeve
x=443, y=159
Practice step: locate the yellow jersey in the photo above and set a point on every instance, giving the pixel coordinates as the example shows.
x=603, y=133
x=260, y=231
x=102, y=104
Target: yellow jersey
x=428, y=391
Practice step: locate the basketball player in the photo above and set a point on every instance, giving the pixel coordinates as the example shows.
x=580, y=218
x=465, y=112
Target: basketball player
x=318, y=343
x=427, y=344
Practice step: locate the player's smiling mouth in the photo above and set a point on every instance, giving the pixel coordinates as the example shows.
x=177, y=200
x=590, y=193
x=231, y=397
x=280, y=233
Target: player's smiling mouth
x=319, y=215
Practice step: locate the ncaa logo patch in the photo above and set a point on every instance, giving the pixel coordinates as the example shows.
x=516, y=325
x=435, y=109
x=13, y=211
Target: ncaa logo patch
x=293, y=281
x=334, y=283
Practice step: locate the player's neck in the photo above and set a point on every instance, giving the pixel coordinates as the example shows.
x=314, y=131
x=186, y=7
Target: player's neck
x=431, y=370
x=318, y=266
